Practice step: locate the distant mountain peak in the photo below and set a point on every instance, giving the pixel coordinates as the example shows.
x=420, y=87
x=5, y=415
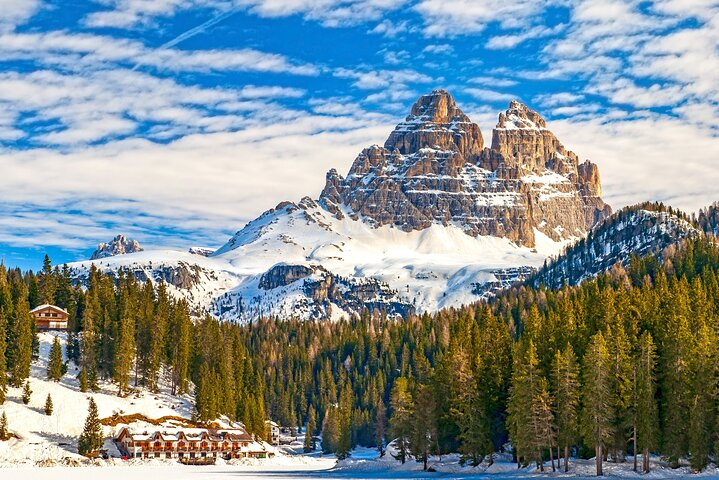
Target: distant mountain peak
x=119, y=245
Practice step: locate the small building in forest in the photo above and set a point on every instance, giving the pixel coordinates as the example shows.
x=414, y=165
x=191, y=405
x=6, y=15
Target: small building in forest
x=190, y=444
x=273, y=430
x=50, y=317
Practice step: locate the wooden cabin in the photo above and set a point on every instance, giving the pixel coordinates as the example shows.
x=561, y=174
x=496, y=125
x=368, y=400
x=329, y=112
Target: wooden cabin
x=50, y=317
x=189, y=444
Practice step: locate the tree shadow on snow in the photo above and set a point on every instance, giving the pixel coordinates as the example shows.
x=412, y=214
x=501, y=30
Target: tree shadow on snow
x=66, y=442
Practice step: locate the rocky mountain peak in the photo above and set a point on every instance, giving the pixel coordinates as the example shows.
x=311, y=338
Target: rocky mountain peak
x=435, y=122
x=434, y=169
x=438, y=107
x=119, y=245
x=519, y=116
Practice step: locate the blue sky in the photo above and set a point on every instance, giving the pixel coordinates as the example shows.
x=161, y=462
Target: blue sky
x=177, y=121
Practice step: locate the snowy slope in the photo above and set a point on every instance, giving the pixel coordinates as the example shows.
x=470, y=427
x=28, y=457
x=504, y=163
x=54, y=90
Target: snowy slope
x=425, y=270
x=54, y=438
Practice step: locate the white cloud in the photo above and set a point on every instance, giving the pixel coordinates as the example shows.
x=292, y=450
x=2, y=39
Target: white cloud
x=77, y=51
x=488, y=95
x=16, y=12
x=452, y=18
x=654, y=158
x=376, y=79
x=209, y=183
x=439, y=49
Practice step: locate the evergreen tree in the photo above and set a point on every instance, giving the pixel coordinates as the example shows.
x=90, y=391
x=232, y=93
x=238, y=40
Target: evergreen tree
x=47, y=283
x=597, y=398
x=26, y=393
x=380, y=426
x=48, y=405
x=125, y=347
x=344, y=440
x=82, y=379
x=565, y=380
x=703, y=368
x=23, y=339
x=4, y=432
x=424, y=426
x=309, y=444
x=3, y=349
x=91, y=438
x=468, y=409
x=647, y=428
x=330, y=430
x=400, y=422
x=54, y=364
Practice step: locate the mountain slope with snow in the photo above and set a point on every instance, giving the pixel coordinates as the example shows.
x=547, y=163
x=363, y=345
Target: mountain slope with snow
x=432, y=219
x=639, y=230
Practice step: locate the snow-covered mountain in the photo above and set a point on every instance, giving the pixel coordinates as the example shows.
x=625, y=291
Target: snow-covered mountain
x=429, y=220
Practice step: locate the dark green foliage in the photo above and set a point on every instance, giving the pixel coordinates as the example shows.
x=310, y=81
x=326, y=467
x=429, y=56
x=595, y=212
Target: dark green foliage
x=54, y=364
x=48, y=405
x=91, y=439
x=26, y=393
x=4, y=432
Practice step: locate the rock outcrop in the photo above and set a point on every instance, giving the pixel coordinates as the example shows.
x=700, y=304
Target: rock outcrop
x=434, y=168
x=119, y=245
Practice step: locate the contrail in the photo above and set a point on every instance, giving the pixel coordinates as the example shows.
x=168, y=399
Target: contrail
x=191, y=33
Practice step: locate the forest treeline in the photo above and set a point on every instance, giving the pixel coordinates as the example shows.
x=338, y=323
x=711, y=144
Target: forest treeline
x=625, y=363
x=131, y=334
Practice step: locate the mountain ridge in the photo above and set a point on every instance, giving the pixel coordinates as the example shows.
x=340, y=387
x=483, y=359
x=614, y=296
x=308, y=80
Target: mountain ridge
x=424, y=222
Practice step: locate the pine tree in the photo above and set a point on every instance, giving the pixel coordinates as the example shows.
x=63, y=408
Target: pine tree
x=91, y=438
x=647, y=428
x=424, y=427
x=344, y=440
x=179, y=352
x=23, y=340
x=565, y=380
x=703, y=367
x=54, y=364
x=309, y=444
x=401, y=418
x=330, y=430
x=597, y=398
x=26, y=393
x=47, y=284
x=380, y=426
x=3, y=362
x=48, y=405
x=467, y=408
x=82, y=379
x=4, y=432
x=125, y=347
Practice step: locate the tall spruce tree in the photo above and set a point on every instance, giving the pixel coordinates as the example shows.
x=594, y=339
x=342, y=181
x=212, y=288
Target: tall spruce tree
x=565, y=381
x=597, y=404
x=3, y=349
x=647, y=427
x=22, y=340
x=54, y=364
x=400, y=420
x=91, y=439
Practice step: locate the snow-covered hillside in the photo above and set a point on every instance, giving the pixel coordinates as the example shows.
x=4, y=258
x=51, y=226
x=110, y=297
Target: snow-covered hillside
x=425, y=270
x=48, y=440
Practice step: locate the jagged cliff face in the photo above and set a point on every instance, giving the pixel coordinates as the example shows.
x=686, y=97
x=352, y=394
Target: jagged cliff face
x=434, y=168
